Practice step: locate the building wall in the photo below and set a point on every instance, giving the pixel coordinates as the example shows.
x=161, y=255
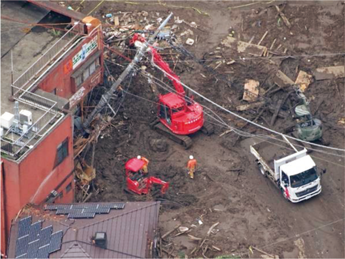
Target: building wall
x=59, y=80
x=32, y=180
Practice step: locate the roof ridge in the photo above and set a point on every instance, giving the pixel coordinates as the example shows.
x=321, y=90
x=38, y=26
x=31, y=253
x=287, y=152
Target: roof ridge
x=76, y=244
x=117, y=216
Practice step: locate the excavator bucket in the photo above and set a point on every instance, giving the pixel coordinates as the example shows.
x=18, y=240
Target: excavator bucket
x=154, y=180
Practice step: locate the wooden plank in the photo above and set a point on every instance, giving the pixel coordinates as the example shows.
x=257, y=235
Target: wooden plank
x=282, y=15
x=282, y=80
x=303, y=80
x=323, y=73
x=249, y=106
x=242, y=46
x=263, y=37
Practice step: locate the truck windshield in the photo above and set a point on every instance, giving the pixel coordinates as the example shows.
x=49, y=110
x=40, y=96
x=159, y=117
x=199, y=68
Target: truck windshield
x=303, y=178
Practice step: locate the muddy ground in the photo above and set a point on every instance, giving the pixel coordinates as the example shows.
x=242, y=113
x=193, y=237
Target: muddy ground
x=228, y=187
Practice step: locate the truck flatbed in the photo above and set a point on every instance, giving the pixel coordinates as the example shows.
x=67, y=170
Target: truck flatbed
x=270, y=152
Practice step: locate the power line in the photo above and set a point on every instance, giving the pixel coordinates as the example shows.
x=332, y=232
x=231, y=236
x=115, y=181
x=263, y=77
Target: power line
x=249, y=121
x=223, y=124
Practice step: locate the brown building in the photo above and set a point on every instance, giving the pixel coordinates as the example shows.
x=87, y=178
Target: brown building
x=86, y=230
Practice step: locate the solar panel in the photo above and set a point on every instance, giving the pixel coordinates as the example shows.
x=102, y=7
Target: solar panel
x=81, y=215
x=22, y=245
x=67, y=211
x=32, y=249
x=43, y=252
x=35, y=230
x=45, y=235
x=55, y=241
x=117, y=206
x=23, y=226
x=58, y=206
x=97, y=211
x=22, y=256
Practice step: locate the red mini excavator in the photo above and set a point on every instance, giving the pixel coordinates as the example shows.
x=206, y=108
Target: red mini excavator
x=178, y=115
x=138, y=182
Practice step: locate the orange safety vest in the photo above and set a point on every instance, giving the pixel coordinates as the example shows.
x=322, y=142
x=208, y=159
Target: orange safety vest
x=191, y=163
x=145, y=160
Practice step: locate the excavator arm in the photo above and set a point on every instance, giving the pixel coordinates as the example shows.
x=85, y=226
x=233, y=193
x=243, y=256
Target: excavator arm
x=153, y=180
x=158, y=60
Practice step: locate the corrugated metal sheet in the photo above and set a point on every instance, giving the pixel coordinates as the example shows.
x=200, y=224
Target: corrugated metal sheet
x=130, y=232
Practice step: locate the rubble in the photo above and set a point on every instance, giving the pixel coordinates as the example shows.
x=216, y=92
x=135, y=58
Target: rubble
x=303, y=80
x=323, y=73
x=244, y=47
x=251, y=90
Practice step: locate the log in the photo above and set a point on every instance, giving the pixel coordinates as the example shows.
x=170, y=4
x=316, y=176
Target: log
x=282, y=15
x=249, y=106
x=274, y=117
x=282, y=80
x=211, y=228
x=263, y=37
x=169, y=232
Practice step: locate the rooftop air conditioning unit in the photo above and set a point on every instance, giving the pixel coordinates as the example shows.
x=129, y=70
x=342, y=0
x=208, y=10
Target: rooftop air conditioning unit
x=25, y=117
x=7, y=120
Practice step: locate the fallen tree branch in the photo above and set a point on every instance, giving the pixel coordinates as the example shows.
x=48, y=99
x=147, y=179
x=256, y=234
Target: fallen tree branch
x=169, y=232
x=211, y=228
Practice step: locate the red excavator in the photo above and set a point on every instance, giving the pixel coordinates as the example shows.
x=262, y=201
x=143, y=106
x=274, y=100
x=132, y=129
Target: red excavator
x=178, y=115
x=138, y=182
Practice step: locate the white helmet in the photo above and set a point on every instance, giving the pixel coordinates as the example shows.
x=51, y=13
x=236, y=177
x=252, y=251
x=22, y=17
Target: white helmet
x=191, y=157
x=138, y=157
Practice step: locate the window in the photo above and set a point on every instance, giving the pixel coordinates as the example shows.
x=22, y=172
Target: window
x=68, y=187
x=62, y=152
x=60, y=195
x=92, y=68
x=54, y=91
x=79, y=80
x=87, y=73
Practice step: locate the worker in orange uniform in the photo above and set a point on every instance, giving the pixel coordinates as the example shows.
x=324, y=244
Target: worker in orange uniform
x=146, y=163
x=191, y=166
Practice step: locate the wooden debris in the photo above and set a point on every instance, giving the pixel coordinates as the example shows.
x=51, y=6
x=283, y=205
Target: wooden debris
x=168, y=253
x=263, y=252
x=323, y=73
x=249, y=106
x=194, y=238
x=282, y=80
x=251, y=90
x=303, y=80
x=263, y=37
x=282, y=15
x=279, y=105
x=116, y=21
x=272, y=45
x=211, y=228
x=341, y=121
x=216, y=248
x=242, y=46
x=169, y=232
x=225, y=132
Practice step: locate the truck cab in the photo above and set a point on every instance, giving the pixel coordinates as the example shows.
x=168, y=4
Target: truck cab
x=295, y=174
x=299, y=179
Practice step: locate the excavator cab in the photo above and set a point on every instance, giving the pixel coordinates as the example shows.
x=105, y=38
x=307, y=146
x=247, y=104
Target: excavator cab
x=138, y=182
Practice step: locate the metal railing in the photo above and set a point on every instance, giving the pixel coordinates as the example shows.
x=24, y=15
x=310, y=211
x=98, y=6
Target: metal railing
x=47, y=57
x=48, y=118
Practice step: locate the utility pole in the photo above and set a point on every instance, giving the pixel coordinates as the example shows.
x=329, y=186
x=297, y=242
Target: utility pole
x=140, y=53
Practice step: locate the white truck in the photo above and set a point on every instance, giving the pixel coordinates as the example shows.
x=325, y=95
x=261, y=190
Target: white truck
x=294, y=174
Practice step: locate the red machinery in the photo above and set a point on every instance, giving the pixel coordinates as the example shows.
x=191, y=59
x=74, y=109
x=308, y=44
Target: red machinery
x=137, y=181
x=179, y=114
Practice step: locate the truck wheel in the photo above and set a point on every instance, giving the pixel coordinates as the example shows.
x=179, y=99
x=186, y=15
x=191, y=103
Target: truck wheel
x=262, y=170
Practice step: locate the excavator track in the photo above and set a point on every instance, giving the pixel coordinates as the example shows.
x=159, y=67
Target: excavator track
x=207, y=128
x=185, y=141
